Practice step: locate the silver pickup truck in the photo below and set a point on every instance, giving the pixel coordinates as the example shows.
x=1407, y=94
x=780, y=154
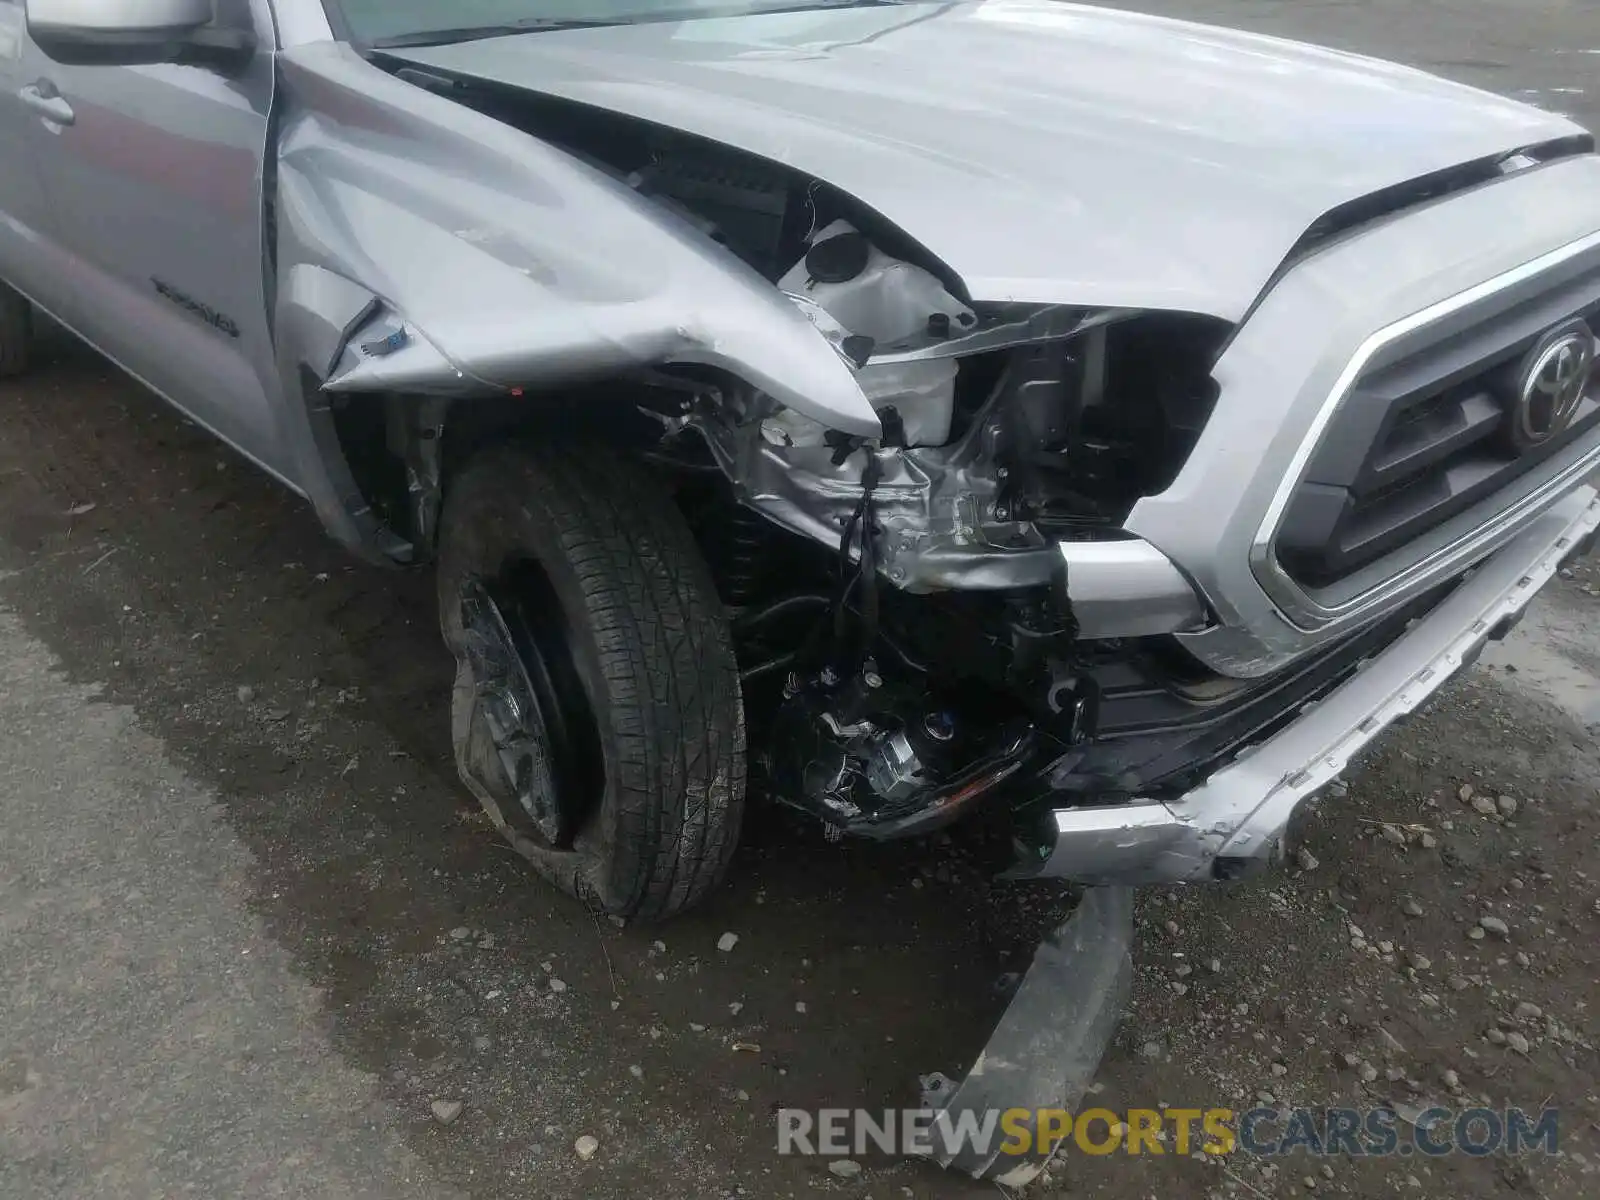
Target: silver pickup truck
x=1099, y=423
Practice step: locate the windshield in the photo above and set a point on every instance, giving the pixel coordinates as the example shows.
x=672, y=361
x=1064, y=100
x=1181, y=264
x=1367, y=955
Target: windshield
x=419, y=22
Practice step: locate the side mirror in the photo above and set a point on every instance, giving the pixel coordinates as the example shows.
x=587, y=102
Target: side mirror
x=132, y=32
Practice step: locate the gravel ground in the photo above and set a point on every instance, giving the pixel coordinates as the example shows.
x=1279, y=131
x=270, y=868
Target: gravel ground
x=257, y=942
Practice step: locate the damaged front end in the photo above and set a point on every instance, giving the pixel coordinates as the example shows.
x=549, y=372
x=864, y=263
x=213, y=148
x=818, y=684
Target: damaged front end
x=911, y=498
x=905, y=604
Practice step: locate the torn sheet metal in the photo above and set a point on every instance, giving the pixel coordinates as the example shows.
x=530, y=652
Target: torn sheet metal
x=939, y=511
x=1047, y=1047
x=515, y=262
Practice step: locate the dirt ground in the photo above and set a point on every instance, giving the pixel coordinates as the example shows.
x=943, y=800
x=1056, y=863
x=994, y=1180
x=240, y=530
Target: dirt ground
x=307, y=695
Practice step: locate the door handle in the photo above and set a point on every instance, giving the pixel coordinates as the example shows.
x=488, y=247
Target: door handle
x=48, y=102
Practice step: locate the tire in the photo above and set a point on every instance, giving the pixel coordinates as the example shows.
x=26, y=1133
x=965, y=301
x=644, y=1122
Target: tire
x=16, y=332
x=656, y=766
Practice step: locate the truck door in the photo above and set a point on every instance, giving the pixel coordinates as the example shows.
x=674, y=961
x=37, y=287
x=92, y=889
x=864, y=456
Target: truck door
x=30, y=256
x=155, y=177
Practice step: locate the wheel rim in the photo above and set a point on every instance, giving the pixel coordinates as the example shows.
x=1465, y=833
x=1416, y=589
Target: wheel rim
x=530, y=704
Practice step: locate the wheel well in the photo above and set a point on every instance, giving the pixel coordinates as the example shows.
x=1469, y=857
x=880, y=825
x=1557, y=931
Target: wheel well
x=402, y=450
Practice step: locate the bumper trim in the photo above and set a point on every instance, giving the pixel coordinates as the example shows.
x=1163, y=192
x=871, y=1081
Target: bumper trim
x=1128, y=588
x=1241, y=812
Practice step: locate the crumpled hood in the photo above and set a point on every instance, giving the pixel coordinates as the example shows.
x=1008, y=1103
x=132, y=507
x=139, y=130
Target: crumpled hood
x=1045, y=151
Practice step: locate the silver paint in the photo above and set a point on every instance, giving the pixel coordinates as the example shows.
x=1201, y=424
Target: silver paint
x=518, y=263
x=1046, y=152
x=1275, y=385
x=1128, y=588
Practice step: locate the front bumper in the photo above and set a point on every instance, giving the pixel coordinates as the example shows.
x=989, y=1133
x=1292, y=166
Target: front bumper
x=1234, y=823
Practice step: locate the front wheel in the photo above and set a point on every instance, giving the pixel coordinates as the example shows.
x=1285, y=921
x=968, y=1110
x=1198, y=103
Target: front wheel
x=596, y=713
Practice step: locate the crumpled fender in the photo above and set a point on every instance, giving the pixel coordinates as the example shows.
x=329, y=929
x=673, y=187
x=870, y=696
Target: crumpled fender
x=515, y=264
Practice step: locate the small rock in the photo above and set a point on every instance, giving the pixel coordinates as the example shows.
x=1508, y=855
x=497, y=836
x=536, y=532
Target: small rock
x=1389, y=1041
x=636, y=1071
x=800, y=1007
x=1495, y=926
x=557, y=986
x=460, y=933
x=736, y=1007
x=844, y=1168
x=1451, y=1079
x=1507, y=806
x=1517, y=1042
x=277, y=715
x=586, y=1147
x=1527, y=1010
x=1386, y=947
x=446, y=1111
x=1151, y=1050
x=1475, y=933
x=727, y=942
x=1369, y=1073
x=1279, y=1069
x=1393, y=833
x=1419, y=962
x=1496, y=1036
x=247, y=694
x=1307, y=860
x=1465, y=793
x=1427, y=841
x=1522, y=960
x=1485, y=806
x=1411, y=908
x=1214, y=965
x=1183, y=970
x=481, y=1043
x=1172, y=928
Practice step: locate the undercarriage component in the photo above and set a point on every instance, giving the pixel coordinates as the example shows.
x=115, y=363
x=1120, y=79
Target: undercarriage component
x=881, y=760
x=16, y=332
x=1045, y=1050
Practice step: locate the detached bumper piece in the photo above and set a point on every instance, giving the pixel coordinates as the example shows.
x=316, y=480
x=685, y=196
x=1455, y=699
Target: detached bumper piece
x=1233, y=824
x=1048, y=1045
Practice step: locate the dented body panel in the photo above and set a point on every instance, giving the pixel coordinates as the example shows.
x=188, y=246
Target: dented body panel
x=1046, y=152
x=520, y=265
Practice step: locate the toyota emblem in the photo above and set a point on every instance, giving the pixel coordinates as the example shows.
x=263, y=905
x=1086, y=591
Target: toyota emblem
x=1553, y=381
